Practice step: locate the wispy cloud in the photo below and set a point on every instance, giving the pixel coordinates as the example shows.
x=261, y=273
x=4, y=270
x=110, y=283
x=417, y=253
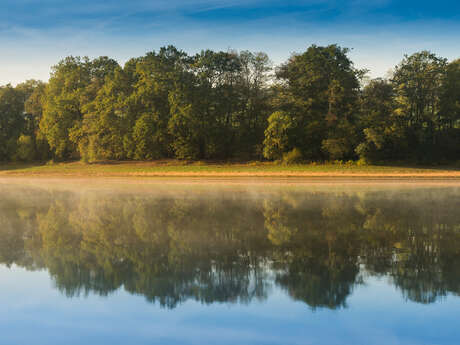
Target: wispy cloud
x=39, y=33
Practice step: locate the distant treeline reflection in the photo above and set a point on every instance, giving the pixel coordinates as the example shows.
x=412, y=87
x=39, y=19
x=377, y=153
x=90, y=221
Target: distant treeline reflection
x=236, y=247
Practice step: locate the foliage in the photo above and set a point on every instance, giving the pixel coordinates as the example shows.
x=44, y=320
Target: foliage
x=276, y=140
x=147, y=144
x=226, y=105
x=25, y=149
x=293, y=157
x=73, y=85
x=417, y=82
x=11, y=121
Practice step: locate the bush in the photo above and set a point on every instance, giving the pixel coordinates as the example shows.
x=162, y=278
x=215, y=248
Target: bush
x=293, y=157
x=336, y=149
x=367, y=152
x=361, y=162
x=25, y=148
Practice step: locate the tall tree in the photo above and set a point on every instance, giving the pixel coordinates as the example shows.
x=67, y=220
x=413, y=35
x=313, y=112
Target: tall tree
x=255, y=98
x=383, y=131
x=106, y=121
x=319, y=90
x=417, y=82
x=73, y=85
x=449, y=114
x=157, y=76
x=11, y=120
x=219, y=107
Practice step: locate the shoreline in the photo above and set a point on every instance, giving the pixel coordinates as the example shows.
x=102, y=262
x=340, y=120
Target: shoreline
x=225, y=175
x=167, y=169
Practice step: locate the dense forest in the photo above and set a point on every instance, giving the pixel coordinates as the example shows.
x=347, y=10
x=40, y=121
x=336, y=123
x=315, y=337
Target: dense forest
x=235, y=106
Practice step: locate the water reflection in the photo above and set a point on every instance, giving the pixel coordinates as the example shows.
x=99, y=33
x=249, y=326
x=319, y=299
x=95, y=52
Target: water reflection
x=236, y=246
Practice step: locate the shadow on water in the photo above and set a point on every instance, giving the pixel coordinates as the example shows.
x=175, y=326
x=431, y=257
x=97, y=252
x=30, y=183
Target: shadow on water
x=235, y=247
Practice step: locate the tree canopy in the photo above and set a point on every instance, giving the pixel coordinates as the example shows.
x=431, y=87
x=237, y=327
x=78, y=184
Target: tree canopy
x=230, y=105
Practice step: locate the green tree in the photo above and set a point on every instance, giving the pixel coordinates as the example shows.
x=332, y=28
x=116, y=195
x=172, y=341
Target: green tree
x=73, y=85
x=186, y=128
x=450, y=97
x=277, y=135
x=448, y=134
x=11, y=120
x=220, y=105
x=319, y=90
x=107, y=120
x=383, y=131
x=147, y=144
x=158, y=75
x=255, y=95
x=35, y=97
x=417, y=83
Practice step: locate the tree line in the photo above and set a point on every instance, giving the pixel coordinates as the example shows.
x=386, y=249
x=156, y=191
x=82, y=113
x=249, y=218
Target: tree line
x=235, y=106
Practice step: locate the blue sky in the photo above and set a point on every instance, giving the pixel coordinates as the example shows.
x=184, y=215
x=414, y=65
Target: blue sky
x=35, y=34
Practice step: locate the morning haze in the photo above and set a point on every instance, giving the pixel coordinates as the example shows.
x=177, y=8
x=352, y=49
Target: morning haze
x=229, y=172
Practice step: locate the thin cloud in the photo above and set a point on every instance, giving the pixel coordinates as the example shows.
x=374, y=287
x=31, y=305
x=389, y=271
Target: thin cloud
x=39, y=33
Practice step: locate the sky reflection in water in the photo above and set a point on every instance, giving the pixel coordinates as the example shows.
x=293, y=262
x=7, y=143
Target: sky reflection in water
x=220, y=265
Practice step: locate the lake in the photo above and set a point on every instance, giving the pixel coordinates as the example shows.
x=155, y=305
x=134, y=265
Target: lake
x=164, y=261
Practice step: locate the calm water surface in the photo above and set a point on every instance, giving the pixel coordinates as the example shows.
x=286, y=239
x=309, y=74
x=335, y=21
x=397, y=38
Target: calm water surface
x=165, y=263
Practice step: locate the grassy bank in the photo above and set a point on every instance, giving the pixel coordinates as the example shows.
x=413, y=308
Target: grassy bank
x=177, y=168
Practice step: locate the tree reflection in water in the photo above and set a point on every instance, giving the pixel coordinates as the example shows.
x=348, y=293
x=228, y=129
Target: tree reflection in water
x=236, y=246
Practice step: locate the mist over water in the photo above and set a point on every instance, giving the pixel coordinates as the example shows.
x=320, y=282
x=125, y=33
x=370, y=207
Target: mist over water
x=216, y=263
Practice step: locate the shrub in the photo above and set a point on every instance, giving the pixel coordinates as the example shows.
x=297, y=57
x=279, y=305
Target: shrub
x=293, y=157
x=25, y=148
x=361, y=162
x=336, y=149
